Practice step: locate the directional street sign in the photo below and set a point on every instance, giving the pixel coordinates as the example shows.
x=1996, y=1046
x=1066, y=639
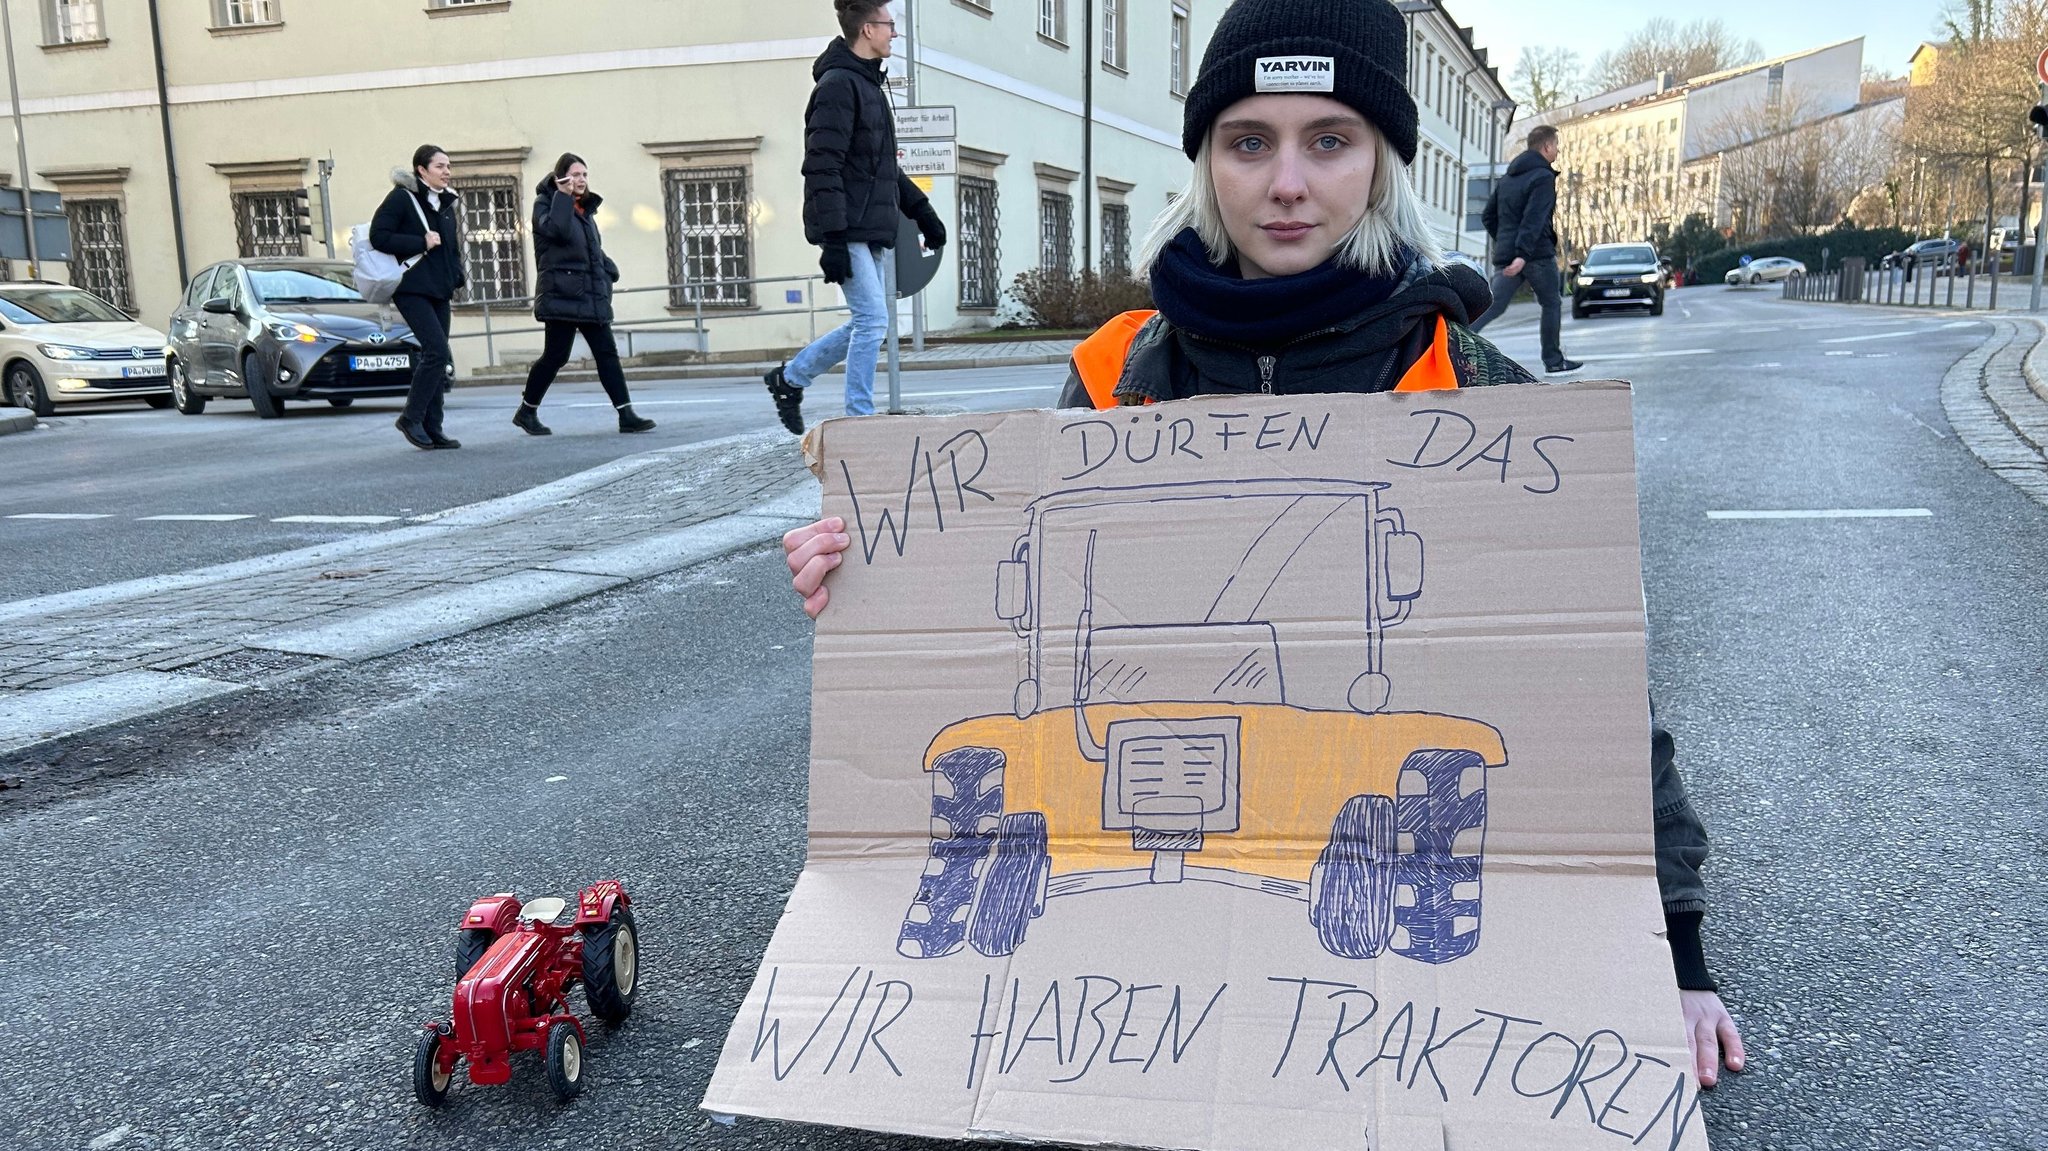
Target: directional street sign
x=936, y=122
x=928, y=158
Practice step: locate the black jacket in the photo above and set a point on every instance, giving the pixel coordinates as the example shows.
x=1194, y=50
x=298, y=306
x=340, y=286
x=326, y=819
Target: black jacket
x=396, y=230
x=575, y=276
x=853, y=191
x=1518, y=213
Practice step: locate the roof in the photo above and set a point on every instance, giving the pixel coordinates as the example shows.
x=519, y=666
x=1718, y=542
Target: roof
x=1605, y=102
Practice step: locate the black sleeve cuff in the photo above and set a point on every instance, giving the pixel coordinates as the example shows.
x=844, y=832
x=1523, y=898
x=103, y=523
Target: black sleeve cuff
x=1688, y=954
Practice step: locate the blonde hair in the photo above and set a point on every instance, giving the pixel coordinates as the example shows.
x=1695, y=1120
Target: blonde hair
x=1392, y=221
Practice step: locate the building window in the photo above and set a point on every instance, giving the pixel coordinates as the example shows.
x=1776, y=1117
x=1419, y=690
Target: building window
x=1056, y=232
x=244, y=13
x=1052, y=20
x=1177, y=63
x=980, y=243
x=1774, y=91
x=710, y=237
x=99, y=251
x=1113, y=52
x=267, y=224
x=464, y=3
x=1116, y=239
x=493, y=252
x=72, y=22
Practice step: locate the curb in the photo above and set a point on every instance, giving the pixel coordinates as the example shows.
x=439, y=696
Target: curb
x=13, y=422
x=32, y=719
x=1999, y=418
x=755, y=370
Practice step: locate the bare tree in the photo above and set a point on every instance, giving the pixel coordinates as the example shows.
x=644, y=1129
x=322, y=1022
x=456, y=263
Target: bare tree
x=1546, y=78
x=1663, y=45
x=1972, y=116
x=1787, y=170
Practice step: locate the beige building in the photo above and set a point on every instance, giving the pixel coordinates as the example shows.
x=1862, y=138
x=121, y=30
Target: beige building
x=1465, y=112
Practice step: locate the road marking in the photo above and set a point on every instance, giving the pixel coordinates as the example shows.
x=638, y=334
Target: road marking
x=1597, y=358
x=1878, y=336
x=1047, y=388
x=1825, y=514
x=658, y=403
x=205, y=519
x=335, y=519
x=62, y=516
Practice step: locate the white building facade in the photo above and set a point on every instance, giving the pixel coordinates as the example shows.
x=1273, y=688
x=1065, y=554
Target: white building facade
x=1465, y=112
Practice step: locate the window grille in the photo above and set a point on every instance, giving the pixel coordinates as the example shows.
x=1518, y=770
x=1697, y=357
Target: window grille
x=74, y=21
x=1056, y=232
x=1116, y=239
x=980, y=243
x=99, y=251
x=267, y=224
x=493, y=250
x=710, y=243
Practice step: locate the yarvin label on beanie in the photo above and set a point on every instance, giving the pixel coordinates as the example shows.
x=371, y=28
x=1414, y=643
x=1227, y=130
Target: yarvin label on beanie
x=1296, y=74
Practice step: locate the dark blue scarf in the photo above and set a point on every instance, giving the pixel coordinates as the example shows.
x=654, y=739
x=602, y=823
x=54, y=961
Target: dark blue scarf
x=1197, y=296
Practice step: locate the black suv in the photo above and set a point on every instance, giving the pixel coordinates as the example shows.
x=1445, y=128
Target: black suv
x=1618, y=276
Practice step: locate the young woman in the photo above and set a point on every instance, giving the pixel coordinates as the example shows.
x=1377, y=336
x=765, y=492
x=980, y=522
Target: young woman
x=1297, y=262
x=420, y=220
x=575, y=293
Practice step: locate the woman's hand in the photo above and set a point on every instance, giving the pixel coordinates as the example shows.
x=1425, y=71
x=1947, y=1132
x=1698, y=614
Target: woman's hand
x=433, y=240
x=1711, y=1032
x=813, y=551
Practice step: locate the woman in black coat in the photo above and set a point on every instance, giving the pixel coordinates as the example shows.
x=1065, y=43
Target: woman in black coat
x=400, y=229
x=575, y=294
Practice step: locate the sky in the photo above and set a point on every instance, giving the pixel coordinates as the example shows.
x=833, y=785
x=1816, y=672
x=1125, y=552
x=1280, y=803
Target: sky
x=1891, y=28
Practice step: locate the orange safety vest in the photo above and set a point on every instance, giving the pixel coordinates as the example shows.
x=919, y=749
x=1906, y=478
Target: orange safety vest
x=1099, y=360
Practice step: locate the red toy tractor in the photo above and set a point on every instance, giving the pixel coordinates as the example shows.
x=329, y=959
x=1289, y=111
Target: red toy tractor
x=515, y=965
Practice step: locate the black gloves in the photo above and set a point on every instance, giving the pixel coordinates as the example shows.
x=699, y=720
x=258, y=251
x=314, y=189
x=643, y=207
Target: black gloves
x=934, y=229
x=836, y=262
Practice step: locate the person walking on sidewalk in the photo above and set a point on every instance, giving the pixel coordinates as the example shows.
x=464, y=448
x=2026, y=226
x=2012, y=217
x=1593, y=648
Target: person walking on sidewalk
x=420, y=220
x=1524, y=243
x=575, y=293
x=853, y=197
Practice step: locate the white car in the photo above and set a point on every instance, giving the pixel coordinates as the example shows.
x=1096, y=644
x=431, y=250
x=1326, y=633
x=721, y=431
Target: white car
x=61, y=345
x=1768, y=270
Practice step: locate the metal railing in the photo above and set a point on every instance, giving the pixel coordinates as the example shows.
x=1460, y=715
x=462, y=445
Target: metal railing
x=693, y=321
x=1926, y=286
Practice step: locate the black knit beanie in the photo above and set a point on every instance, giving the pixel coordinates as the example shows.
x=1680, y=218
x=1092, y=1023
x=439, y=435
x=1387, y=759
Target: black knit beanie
x=1354, y=51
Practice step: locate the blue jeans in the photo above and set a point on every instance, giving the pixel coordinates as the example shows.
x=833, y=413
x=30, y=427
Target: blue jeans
x=857, y=341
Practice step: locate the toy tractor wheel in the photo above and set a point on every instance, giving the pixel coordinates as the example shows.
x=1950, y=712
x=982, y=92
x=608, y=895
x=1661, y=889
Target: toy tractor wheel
x=470, y=946
x=1011, y=895
x=1351, y=891
x=565, y=1062
x=1441, y=922
x=967, y=812
x=611, y=966
x=429, y=1082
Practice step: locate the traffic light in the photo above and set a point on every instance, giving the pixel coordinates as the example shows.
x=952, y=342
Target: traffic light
x=302, y=212
x=2039, y=117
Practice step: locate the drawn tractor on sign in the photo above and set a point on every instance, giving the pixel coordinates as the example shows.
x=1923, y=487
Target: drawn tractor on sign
x=1202, y=698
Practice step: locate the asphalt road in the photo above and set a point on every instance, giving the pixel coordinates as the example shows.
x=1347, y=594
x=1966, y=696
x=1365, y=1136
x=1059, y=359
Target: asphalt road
x=127, y=467
x=226, y=933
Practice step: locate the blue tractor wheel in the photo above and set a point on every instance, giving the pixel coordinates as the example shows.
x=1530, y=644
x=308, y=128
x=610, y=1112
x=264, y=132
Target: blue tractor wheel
x=967, y=811
x=1434, y=812
x=1351, y=892
x=1013, y=893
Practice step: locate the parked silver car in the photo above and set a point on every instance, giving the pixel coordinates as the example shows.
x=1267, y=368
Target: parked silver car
x=1768, y=270
x=62, y=345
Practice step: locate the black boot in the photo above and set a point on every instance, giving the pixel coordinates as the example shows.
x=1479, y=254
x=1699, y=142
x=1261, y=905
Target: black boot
x=628, y=422
x=415, y=434
x=527, y=419
x=789, y=400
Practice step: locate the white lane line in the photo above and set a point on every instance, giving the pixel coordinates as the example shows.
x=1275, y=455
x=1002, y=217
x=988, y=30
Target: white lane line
x=1878, y=336
x=62, y=516
x=1601, y=358
x=1825, y=514
x=205, y=519
x=335, y=520
x=1049, y=389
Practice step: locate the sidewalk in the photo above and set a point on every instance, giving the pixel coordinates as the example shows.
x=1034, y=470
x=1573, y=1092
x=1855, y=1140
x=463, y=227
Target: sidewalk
x=935, y=357
x=80, y=660
x=1996, y=399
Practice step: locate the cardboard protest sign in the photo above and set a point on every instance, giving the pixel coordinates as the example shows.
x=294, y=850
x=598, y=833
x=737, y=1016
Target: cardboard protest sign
x=1239, y=773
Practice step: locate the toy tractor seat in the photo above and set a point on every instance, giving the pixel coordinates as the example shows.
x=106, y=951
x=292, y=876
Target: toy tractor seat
x=546, y=909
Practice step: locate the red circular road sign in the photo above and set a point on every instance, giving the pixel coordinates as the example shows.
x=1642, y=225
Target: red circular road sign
x=2041, y=66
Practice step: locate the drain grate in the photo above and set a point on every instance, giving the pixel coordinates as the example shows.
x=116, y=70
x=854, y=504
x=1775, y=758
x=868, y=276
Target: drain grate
x=250, y=665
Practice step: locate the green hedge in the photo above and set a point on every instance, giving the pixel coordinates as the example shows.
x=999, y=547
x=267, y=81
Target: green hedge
x=1841, y=243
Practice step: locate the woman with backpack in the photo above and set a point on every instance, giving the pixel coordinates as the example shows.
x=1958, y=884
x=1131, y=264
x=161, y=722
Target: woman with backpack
x=420, y=220
x=1297, y=262
x=574, y=295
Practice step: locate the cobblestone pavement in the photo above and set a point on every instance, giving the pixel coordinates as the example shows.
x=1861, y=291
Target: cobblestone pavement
x=1996, y=398
x=223, y=624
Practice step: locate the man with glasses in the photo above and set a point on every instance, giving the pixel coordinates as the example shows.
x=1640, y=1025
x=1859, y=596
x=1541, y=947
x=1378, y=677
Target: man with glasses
x=853, y=197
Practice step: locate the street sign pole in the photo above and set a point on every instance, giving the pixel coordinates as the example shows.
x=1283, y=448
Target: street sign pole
x=28, y=207
x=895, y=360
x=910, y=67
x=2040, y=227
x=327, y=205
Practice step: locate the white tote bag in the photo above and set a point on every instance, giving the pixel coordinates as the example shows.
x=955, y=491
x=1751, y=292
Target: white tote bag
x=377, y=273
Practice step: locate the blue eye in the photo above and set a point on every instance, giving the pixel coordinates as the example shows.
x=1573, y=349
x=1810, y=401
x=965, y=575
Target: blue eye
x=1251, y=144
x=1329, y=143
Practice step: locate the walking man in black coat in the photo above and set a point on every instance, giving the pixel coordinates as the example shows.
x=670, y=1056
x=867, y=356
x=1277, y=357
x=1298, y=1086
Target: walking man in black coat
x=854, y=196
x=1524, y=243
